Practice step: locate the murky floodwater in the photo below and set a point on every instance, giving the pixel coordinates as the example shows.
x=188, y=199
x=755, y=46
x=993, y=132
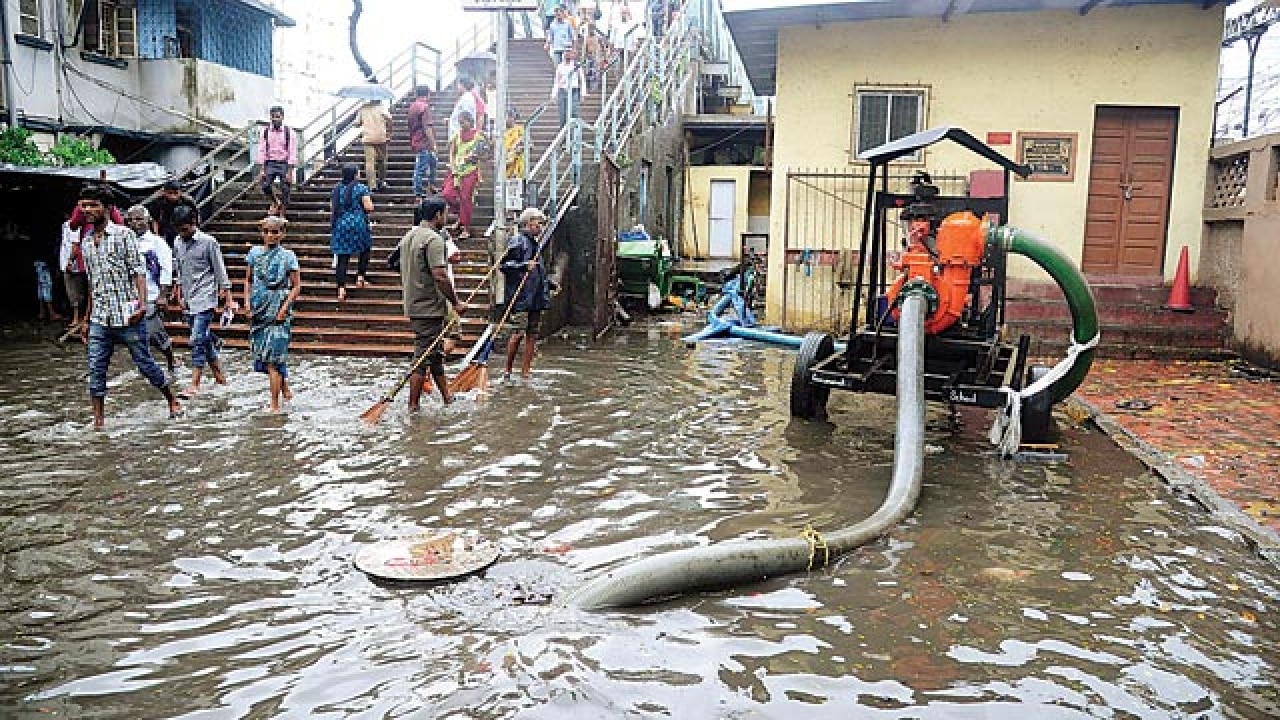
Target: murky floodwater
x=203, y=568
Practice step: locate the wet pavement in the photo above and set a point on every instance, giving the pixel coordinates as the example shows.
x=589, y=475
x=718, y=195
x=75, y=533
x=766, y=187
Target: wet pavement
x=203, y=568
x=1212, y=427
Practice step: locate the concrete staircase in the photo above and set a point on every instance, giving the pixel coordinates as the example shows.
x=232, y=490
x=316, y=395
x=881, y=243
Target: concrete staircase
x=1131, y=320
x=370, y=321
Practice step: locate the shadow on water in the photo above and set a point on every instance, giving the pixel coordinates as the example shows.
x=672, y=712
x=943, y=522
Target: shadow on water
x=203, y=568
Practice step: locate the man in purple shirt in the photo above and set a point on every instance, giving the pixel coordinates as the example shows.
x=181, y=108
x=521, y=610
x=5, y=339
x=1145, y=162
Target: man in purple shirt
x=278, y=154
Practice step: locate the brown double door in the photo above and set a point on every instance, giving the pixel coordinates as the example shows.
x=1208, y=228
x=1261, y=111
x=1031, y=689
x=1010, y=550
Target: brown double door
x=1129, y=181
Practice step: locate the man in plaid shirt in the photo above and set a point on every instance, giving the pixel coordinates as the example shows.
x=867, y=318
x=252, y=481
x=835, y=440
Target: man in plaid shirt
x=117, y=301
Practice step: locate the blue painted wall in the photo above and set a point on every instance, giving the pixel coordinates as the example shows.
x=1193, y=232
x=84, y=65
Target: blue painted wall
x=226, y=33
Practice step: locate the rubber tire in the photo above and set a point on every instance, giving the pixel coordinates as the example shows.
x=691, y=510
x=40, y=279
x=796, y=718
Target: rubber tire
x=1037, y=410
x=809, y=401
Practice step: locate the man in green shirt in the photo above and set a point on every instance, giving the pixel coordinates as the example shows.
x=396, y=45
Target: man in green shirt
x=428, y=292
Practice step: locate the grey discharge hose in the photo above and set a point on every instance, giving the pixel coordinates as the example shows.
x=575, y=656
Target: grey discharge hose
x=736, y=563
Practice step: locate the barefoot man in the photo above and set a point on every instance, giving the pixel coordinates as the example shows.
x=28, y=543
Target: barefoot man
x=202, y=287
x=117, y=302
x=428, y=294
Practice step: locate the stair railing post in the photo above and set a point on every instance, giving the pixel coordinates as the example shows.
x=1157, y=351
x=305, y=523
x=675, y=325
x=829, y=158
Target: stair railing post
x=575, y=151
x=500, y=124
x=413, y=65
x=555, y=177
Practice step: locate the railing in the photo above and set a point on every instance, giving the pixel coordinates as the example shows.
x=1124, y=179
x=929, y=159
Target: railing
x=231, y=166
x=558, y=171
x=644, y=84
x=333, y=130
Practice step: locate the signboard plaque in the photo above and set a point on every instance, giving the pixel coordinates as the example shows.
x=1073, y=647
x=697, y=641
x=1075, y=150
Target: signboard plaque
x=1051, y=155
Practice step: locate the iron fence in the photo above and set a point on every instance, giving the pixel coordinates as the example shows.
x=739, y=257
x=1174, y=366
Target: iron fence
x=821, y=235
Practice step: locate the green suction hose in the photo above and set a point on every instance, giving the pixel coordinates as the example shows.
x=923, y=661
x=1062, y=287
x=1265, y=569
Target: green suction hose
x=1084, y=311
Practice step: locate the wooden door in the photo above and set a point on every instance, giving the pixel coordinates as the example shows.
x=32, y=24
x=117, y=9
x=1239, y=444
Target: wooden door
x=1130, y=177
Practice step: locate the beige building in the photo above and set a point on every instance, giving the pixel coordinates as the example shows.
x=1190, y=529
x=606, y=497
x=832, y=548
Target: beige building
x=1112, y=102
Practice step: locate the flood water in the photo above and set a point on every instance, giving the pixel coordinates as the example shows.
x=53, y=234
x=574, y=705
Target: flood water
x=203, y=568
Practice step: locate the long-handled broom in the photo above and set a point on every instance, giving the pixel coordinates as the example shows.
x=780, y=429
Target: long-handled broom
x=375, y=411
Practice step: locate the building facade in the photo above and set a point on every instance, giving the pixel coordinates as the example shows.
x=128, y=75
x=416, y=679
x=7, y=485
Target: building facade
x=149, y=79
x=1112, y=103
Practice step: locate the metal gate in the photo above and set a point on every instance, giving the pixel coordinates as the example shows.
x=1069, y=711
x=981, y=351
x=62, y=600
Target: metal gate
x=821, y=233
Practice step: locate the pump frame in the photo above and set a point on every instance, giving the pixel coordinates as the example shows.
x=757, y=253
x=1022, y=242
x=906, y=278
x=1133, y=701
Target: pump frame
x=966, y=364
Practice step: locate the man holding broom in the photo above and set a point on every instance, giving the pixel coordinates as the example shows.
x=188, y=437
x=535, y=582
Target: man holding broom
x=428, y=293
x=527, y=288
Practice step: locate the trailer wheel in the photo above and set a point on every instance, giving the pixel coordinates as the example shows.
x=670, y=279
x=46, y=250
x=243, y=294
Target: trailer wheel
x=809, y=401
x=1037, y=410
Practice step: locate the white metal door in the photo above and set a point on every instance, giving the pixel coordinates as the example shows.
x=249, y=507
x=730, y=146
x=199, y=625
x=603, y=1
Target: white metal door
x=720, y=214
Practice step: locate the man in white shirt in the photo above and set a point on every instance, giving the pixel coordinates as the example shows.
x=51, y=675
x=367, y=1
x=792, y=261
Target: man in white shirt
x=159, y=262
x=568, y=86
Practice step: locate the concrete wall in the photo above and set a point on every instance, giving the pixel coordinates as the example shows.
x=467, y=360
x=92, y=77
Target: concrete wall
x=51, y=97
x=1005, y=72
x=661, y=148
x=217, y=94
x=1242, y=241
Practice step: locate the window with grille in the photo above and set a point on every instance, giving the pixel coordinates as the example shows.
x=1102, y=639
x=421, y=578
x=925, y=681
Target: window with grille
x=884, y=114
x=29, y=18
x=112, y=30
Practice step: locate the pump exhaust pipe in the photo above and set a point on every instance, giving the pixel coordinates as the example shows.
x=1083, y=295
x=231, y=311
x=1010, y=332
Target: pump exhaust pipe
x=736, y=563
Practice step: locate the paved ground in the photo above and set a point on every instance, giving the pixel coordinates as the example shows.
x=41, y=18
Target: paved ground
x=1211, y=428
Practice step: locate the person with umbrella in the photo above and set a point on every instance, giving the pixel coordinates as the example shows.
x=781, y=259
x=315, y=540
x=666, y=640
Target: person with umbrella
x=375, y=124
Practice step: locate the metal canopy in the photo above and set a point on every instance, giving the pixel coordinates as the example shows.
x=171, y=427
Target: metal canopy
x=906, y=145
x=755, y=32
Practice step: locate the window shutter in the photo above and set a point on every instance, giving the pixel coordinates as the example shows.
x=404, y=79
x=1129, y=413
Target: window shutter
x=29, y=20
x=127, y=30
x=873, y=120
x=904, y=116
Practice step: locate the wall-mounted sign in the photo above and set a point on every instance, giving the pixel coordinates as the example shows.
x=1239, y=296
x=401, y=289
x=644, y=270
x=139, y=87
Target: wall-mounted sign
x=999, y=138
x=1052, y=156
x=499, y=4
x=1254, y=22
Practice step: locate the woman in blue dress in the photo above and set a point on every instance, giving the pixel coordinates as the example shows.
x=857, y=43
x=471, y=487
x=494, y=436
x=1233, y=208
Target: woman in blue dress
x=349, y=228
x=272, y=284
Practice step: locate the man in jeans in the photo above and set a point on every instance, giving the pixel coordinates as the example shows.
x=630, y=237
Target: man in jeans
x=560, y=35
x=422, y=139
x=428, y=292
x=201, y=286
x=159, y=263
x=117, y=292
x=278, y=155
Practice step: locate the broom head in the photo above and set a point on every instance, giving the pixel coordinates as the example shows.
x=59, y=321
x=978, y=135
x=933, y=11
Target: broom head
x=375, y=411
x=468, y=379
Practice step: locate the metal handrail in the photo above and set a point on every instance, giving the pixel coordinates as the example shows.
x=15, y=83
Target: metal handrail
x=555, y=176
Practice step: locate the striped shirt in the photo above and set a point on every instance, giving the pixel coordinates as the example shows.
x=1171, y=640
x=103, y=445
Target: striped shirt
x=113, y=261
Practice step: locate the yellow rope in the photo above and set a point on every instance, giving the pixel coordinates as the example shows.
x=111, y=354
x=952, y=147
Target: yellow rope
x=816, y=542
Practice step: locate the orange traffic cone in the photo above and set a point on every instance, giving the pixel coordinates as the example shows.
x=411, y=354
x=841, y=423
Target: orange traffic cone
x=1180, y=293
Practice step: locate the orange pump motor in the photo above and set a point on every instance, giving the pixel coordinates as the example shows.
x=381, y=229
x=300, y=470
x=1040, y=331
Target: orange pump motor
x=959, y=251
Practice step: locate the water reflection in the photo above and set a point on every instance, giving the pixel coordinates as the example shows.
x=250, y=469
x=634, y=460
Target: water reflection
x=203, y=568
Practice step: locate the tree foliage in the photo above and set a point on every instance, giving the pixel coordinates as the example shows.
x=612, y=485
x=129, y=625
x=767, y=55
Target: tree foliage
x=18, y=148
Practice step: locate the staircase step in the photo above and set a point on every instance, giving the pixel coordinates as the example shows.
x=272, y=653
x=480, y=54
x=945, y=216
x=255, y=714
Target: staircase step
x=369, y=322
